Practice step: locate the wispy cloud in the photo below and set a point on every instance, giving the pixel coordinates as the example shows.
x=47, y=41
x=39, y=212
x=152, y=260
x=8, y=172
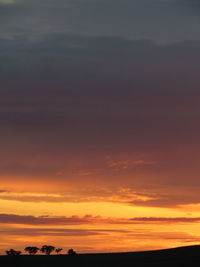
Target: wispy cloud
x=88, y=194
x=92, y=220
x=7, y=2
x=60, y=232
x=128, y=163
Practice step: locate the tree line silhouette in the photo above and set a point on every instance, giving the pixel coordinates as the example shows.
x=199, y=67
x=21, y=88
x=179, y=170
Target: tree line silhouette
x=46, y=249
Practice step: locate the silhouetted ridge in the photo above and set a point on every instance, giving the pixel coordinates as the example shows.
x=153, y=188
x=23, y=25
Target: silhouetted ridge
x=181, y=256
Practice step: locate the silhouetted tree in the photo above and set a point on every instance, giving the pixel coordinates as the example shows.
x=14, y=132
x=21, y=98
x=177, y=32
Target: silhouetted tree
x=58, y=250
x=13, y=252
x=31, y=250
x=47, y=249
x=71, y=252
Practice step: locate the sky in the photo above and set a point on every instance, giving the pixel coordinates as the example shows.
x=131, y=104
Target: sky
x=99, y=124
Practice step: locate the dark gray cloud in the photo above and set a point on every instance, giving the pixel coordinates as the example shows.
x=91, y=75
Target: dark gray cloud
x=81, y=80
x=64, y=77
x=138, y=19
x=63, y=95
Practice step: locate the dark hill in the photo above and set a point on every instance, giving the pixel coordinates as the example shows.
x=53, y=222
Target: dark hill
x=183, y=256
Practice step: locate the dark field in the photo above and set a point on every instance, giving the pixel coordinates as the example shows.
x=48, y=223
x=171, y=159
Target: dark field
x=184, y=256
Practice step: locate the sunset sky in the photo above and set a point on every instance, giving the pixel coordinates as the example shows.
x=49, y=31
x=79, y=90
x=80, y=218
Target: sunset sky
x=99, y=124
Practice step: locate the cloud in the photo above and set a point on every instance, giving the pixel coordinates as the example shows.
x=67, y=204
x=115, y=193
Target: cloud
x=166, y=197
x=135, y=100
x=173, y=236
x=14, y=227
x=42, y=220
x=59, y=232
x=137, y=19
x=102, y=233
x=84, y=79
x=92, y=220
x=117, y=195
x=3, y=191
x=7, y=2
x=173, y=198
x=127, y=164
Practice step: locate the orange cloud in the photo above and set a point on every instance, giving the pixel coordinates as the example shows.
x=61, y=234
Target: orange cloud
x=98, y=194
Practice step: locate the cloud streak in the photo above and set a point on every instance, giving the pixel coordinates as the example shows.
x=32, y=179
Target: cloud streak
x=7, y=2
x=137, y=19
x=89, y=219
